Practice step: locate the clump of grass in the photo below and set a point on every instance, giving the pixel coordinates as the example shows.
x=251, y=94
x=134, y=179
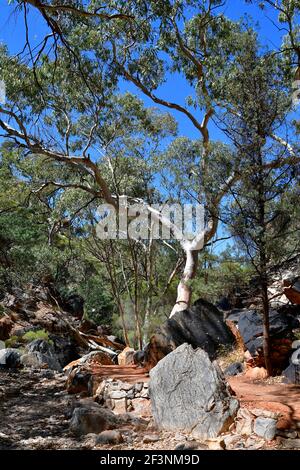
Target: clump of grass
x=12, y=342
x=39, y=334
x=227, y=355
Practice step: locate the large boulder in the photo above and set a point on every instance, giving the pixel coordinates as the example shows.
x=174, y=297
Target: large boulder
x=200, y=326
x=41, y=354
x=10, y=358
x=66, y=349
x=281, y=333
x=189, y=393
x=39, y=360
x=93, y=419
x=40, y=345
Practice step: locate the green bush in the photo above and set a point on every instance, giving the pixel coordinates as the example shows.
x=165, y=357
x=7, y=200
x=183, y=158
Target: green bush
x=39, y=334
x=12, y=342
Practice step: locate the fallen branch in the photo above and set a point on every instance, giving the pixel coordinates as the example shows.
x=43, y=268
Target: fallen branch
x=103, y=340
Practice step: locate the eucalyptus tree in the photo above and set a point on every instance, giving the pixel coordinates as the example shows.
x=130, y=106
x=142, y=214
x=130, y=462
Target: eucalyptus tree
x=58, y=100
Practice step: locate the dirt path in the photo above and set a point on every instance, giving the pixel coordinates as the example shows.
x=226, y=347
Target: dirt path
x=274, y=397
x=35, y=410
x=32, y=407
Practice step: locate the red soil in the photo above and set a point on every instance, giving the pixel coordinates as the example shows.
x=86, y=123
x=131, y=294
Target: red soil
x=278, y=397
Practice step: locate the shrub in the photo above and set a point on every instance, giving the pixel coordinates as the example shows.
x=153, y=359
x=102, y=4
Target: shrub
x=39, y=334
x=12, y=342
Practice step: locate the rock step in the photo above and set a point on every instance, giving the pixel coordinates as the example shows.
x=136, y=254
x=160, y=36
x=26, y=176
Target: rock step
x=131, y=373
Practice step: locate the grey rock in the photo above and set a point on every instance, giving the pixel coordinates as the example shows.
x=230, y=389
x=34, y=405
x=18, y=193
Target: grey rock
x=139, y=357
x=258, y=413
x=66, y=349
x=189, y=393
x=87, y=420
x=39, y=360
x=139, y=387
x=265, y=427
x=244, y=425
x=296, y=344
x=231, y=441
x=126, y=386
x=234, y=315
x=251, y=327
x=117, y=394
x=40, y=345
x=254, y=444
x=10, y=358
x=287, y=433
x=150, y=438
x=234, y=369
x=290, y=444
x=291, y=374
x=193, y=445
x=145, y=393
x=2, y=345
x=201, y=326
x=130, y=394
x=109, y=437
x=295, y=358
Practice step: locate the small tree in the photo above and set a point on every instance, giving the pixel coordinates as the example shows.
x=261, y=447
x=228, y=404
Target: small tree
x=256, y=207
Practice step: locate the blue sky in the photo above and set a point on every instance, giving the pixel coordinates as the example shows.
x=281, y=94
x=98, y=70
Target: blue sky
x=12, y=33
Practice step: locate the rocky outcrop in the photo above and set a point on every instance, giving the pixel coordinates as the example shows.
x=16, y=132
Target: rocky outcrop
x=189, y=393
x=291, y=279
x=250, y=325
x=200, y=326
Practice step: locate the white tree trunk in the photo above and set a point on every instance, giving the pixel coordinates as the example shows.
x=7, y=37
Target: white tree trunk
x=184, y=290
